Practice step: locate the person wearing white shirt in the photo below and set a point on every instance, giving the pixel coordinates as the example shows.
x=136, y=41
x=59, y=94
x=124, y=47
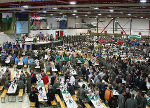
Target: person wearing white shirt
x=72, y=79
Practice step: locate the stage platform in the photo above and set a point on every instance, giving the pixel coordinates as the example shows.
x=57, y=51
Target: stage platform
x=35, y=46
x=44, y=45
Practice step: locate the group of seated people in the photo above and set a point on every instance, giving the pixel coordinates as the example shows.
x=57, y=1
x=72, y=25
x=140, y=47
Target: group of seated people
x=112, y=73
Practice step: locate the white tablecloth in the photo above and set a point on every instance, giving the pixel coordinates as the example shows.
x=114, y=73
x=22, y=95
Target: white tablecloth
x=42, y=97
x=69, y=100
x=12, y=88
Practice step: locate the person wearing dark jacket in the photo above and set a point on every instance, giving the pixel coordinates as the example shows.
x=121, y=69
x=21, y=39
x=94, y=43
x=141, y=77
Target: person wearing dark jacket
x=131, y=102
x=70, y=89
x=34, y=96
x=50, y=95
x=33, y=78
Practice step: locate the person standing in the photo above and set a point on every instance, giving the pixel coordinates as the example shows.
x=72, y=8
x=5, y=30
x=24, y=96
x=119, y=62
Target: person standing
x=121, y=100
x=131, y=102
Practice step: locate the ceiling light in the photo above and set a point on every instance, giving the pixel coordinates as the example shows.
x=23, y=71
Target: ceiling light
x=60, y=13
x=73, y=14
x=75, y=11
x=143, y=1
x=25, y=6
x=86, y=15
x=146, y=18
x=111, y=10
x=129, y=14
x=55, y=8
x=141, y=17
x=99, y=14
x=77, y=16
x=72, y=2
x=96, y=8
x=44, y=11
x=51, y=14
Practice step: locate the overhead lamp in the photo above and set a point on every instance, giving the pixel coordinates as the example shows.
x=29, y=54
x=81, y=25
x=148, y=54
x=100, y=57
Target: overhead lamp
x=55, y=8
x=60, y=13
x=129, y=14
x=72, y=2
x=44, y=11
x=141, y=17
x=111, y=10
x=77, y=16
x=73, y=14
x=75, y=11
x=96, y=8
x=99, y=14
x=86, y=15
x=25, y=6
x=51, y=14
x=143, y=1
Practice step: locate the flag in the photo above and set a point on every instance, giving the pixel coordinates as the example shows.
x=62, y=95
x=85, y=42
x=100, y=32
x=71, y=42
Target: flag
x=6, y=17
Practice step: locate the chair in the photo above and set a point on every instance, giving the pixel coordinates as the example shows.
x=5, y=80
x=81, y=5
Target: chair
x=15, y=67
x=48, y=73
x=74, y=98
x=57, y=98
x=32, y=104
x=1, y=88
x=62, y=104
x=3, y=96
x=53, y=103
x=25, y=67
x=87, y=105
x=20, y=95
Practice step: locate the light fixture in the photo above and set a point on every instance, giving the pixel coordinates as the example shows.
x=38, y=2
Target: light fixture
x=51, y=14
x=72, y=2
x=96, y=8
x=74, y=11
x=143, y=1
x=77, y=16
x=25, y=6
x=99, y=14
x=146, y=18
x=86, y=15
x=60, y=13
x=73, y=14
x=111, y=10
x=129, y=14
x=55, y=8
x=44, y=11
x=141, y=17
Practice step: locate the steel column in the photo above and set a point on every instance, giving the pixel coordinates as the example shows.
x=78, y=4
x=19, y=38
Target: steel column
x=97, y=25
x=107, y=25
x=130, y=25
x=122, y=29
x=113, y=25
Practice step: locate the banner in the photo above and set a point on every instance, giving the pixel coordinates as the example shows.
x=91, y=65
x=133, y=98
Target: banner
x=135, y=36
x=6, y=17
x=21, y=27
x=116, y=25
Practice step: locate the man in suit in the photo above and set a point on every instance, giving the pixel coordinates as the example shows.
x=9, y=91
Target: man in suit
x=121, y=100
x=21, y=84
x=131, y=102
x=82, y=94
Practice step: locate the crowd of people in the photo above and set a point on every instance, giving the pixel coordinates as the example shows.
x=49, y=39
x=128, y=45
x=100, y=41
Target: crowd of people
x=117, y=73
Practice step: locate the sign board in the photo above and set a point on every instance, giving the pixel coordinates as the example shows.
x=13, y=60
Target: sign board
x=135, y=36
x=21, y=27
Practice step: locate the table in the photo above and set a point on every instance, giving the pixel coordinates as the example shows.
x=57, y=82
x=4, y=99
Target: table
x=94, y=99
x=42, y=97
x=13, y=87
x=68, y=99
